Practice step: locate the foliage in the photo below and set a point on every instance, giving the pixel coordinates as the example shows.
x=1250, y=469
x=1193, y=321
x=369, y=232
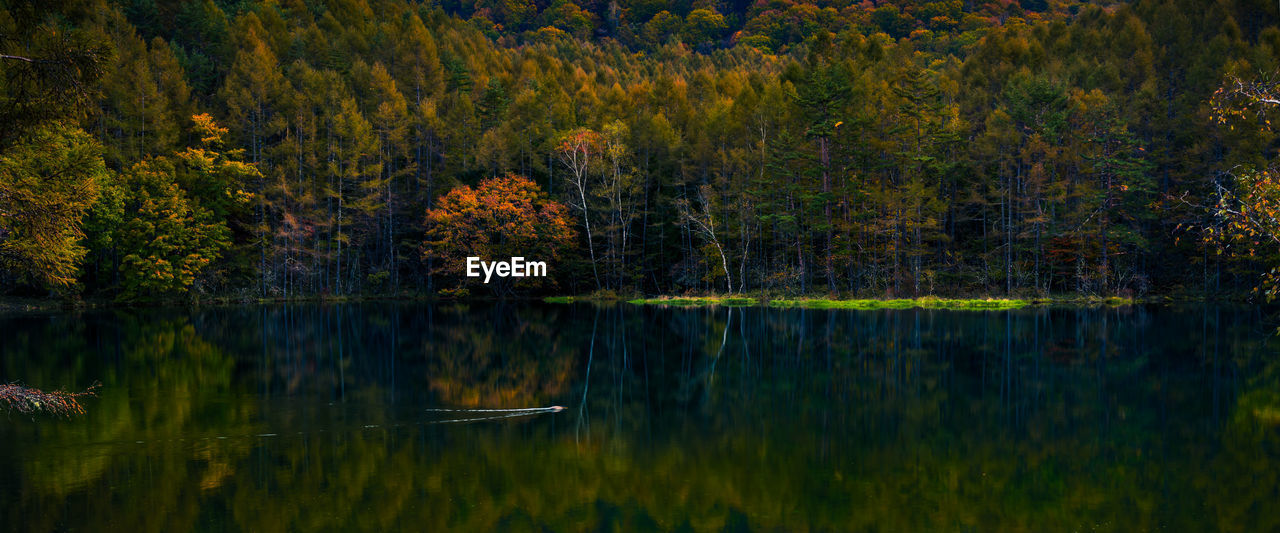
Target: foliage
x=164, y=242
x=1247, y=212
x=892, y=149
x=166, y=235
x=47, y=184
x=27, y=400
x=498, y=219
x=47, y=69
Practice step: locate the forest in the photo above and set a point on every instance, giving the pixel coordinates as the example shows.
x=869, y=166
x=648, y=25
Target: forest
x=246, y=149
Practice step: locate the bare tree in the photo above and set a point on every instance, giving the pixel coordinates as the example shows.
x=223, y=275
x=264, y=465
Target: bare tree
x=578, y=150
x=704, y=223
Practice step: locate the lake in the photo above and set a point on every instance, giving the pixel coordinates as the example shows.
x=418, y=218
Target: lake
x=367, y=417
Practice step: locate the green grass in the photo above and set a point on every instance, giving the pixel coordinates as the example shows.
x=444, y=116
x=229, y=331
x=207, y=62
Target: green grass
x=817, y=303
x=926, y=303
x=1112, y=301
x=696, y=301
x=598, y=296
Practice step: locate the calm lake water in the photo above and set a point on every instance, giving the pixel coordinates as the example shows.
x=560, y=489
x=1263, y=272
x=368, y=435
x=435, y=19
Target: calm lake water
x=329, y=417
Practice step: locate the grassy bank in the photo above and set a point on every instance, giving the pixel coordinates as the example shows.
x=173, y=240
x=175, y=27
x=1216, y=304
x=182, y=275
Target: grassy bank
x=697, y=301
x=927, y=302
x=8, y=303
x=27, y=304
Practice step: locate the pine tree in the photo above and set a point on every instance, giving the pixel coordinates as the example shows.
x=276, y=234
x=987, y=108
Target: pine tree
x=822, y=96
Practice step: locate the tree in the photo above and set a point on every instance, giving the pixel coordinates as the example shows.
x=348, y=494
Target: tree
x=579, y=150
x=212, y=175
x=821, y=97
x=166, y=240
x=661, y=27
x=252, y=92
x=501, y=217
x=704, y=223
x=254, y=84
x=1123, y=178
x=1246, y=207
x=964, y=149
x=217, y=179
x=47, y=71
x=574, y=20
x=145, y=98
x=47, y=184
x=704, y=27
x=390, y=124
x=356, y=183
x=168, y=219
x=620, y=186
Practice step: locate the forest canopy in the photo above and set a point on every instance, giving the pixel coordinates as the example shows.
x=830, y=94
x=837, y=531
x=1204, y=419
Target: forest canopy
x=167, y=149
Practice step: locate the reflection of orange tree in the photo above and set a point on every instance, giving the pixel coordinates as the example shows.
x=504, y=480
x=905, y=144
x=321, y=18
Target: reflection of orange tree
x=524, y=365
x=500, y=218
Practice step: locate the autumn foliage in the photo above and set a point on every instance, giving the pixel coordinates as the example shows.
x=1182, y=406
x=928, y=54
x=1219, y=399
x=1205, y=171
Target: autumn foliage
x=867, y=148
x=499, y=218
x=1246, y=210
x=28, y=400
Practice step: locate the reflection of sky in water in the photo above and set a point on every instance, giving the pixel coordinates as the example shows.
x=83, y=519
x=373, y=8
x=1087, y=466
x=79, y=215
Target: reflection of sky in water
x=373, y=417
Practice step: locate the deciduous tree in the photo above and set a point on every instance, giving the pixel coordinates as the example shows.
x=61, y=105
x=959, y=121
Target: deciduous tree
x=500, y=218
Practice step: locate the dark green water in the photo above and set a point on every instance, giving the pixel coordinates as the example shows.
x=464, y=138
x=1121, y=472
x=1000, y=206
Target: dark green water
x=316, y=417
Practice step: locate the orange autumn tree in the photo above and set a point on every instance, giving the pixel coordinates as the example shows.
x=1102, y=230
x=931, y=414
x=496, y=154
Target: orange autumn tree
x=500, y=218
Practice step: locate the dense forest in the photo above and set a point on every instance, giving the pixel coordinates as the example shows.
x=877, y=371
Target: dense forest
x=261, y=149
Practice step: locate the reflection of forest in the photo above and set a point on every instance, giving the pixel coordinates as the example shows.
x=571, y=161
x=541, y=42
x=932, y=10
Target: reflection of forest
x=312, y=417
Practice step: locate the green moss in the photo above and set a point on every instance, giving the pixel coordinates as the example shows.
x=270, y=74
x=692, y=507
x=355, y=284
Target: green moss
x=972, y=304
x=559, y=299
x=927, y=303
x=817, y=303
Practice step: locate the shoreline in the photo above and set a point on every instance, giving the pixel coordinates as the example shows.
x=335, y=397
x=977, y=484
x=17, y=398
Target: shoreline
x=10, y=304
x=925, y=302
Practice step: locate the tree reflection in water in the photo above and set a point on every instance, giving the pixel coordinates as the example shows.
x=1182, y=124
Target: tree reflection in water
x=318, y=417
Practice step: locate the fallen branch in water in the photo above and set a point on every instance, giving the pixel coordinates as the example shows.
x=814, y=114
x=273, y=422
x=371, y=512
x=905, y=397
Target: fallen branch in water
x=27, y=400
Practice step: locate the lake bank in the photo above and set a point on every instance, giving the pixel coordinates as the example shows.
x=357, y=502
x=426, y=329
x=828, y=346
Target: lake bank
x=32, y=304
x=926, y=302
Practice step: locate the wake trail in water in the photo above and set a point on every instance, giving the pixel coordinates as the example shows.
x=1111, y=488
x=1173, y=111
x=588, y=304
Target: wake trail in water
x=456, y=420
x=493, y=413
x=552, y=409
